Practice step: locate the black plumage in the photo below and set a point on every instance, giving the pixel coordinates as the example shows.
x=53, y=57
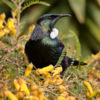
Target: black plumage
x=43, y=50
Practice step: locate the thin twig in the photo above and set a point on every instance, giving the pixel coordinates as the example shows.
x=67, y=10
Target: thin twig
x=51, y=92
x=10, y=61
x=18, y=18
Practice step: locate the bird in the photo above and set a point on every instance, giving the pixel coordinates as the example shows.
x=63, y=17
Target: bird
x=44, y=47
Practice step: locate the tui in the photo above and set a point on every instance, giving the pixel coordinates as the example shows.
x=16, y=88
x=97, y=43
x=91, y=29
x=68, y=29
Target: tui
x=44, y=47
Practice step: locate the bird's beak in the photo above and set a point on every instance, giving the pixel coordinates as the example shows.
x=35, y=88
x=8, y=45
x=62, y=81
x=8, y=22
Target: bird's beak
x=57, y=18
x=64, y=15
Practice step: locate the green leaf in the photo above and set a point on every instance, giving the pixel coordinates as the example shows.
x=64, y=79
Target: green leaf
x=94, y=13
x=78, y=47
x=28, y=4
x=61, y=57
x=78, y=7
x=8, y=3
x=94, y=29
x=72, y=45
x=4, y=8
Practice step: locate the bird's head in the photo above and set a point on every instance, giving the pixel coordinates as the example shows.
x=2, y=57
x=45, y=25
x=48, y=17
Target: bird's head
x=47, y=22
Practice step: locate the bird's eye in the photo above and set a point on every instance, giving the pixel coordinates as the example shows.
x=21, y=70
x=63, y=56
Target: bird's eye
x=49, y=17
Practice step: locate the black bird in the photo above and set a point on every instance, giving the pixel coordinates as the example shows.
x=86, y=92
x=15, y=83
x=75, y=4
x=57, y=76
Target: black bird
x=44, y=47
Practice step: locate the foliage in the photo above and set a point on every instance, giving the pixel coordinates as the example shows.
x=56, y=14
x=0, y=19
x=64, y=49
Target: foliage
x=85, y=21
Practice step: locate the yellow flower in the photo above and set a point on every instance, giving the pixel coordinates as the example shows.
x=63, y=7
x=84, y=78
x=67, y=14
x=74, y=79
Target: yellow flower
x=2, y=19
x=20, y=95
x=58, y=79
x=13, y=31
x=2, y=16
x=1, y=26
x=11, y=25
x=97, y=56
x=6, y=30
x=57, y=70
x=28, y=69
x=7, y=75
x=2, y=34
x=95, y=74
x=10, y=95
x=31, y=98
x=87, y=84
x=61, y=98
x=16, y=84
x=66, y=98
x=96, y=92
x=26, y=37
x=22, y=51
x=23, y=86
x=42, y=98
x=71, y=98
x=15, y=13
x=45, y=70
x=31, y=28
x=47, y=81
x=91, y=93
x=37, y=92
x=62, y=88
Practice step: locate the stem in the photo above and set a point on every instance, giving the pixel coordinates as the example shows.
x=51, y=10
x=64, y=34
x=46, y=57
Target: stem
x=19, y=7
x=18, y=18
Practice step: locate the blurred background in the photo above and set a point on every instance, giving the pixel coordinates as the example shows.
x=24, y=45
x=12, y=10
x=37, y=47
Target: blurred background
x=85, y=21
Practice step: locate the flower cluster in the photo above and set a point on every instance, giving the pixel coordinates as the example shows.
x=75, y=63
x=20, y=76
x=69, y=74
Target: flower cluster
x=23, y=91
x=28, y=89
x=94, y=75
x=53, y=79
x=91, y=93
x=25, y=88
x=7, y=27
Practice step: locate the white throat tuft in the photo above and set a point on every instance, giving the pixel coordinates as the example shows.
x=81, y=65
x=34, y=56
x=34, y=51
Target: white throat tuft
x=54, y=33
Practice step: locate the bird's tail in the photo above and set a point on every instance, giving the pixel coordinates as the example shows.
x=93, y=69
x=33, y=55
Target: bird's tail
x=67, y=61
x=76, y=62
